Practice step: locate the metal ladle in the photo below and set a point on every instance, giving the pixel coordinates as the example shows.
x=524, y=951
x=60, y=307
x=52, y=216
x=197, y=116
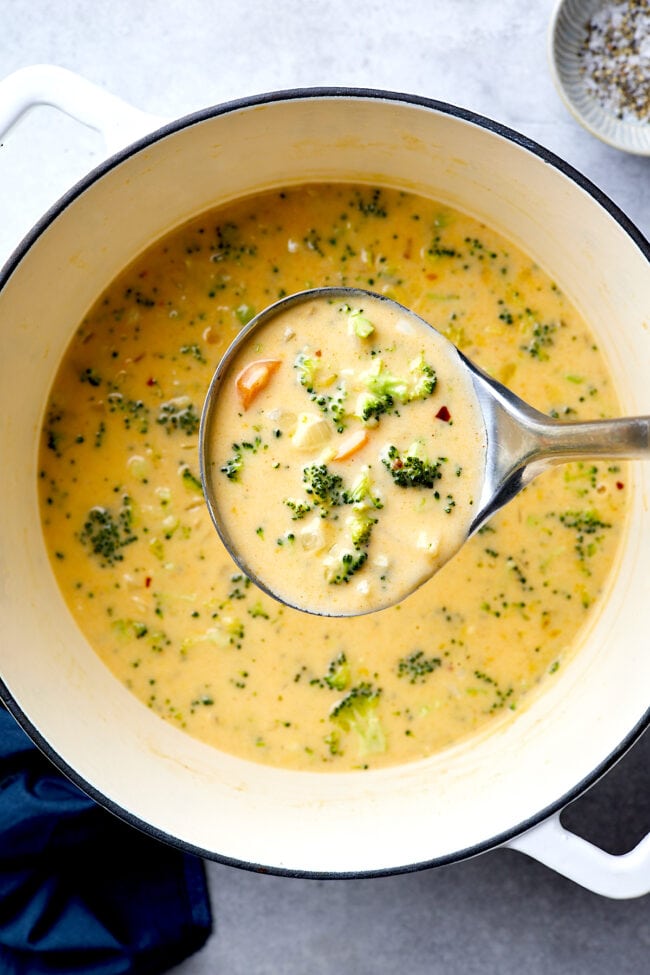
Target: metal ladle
x=522, y=442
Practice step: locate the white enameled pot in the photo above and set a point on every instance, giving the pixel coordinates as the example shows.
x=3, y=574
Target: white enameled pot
x=505, y=788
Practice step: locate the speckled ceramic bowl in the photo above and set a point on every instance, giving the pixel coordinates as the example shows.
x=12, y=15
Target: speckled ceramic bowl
x=567, y=33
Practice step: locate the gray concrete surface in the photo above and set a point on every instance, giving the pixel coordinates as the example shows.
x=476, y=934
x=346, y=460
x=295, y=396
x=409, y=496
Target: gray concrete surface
x=501, y=912
x=498, y=914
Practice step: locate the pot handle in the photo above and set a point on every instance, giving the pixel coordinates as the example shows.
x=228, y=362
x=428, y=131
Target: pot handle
x=45, y=84
x=627, y=875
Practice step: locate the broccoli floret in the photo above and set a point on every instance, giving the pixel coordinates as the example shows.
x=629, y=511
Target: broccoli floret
x=337, y=677
x=423, y=381
x=410, y=469
x=324, y=487
x=327, y=491
x=128, y=628
x=340, y=570
x=332, y=406
x=134, y=411
x=365, y=501
x=385, y=391
x=371, y=406
x=190, y=480
x=307, y=368
x=333, y=743
x=357, y=712
x=363, y=490
x=299, y=508
x=107, y=534
x=383, y=385
x=361, y=523
x=233, y=465
x=338, y=673
x=416, y=667
x=179, y=415
x=358, y=324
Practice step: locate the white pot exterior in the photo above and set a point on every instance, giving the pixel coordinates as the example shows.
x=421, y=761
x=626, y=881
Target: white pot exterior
x=459, y=802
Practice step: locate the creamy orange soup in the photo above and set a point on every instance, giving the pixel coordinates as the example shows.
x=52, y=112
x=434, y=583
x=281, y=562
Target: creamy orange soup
x=344, y=450
x=142, y=568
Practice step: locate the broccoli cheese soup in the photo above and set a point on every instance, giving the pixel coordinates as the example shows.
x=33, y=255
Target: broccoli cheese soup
x=145, y=575
x=363, y=426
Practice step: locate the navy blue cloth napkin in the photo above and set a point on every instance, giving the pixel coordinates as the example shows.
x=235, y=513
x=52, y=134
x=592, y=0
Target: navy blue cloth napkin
x=81, y=891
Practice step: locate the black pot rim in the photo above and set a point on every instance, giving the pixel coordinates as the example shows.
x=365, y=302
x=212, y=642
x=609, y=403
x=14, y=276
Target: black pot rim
x=114, y=161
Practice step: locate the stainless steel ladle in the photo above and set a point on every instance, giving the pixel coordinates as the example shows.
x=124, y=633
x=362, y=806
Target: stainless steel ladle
x=522, y=442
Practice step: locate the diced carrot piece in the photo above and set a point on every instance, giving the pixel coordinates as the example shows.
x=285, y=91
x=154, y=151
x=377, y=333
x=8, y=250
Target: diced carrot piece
x=351, y=444
x=254, y=378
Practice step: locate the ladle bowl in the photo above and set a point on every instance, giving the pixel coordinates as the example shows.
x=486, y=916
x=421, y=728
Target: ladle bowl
x=521, y=442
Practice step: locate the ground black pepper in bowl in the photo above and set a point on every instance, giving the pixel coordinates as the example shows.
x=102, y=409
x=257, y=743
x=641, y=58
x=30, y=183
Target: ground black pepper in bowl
x=615, y=58
x=600, y=61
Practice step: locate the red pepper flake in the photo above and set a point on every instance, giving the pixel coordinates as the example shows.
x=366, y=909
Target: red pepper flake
x=318, y=353
x=147, y=582
x=620, y=485
x=431, y=276
x=443, y=414
x=151, y=381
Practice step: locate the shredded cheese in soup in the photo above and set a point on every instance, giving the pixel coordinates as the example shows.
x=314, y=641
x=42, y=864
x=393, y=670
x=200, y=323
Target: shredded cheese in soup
x=145, y=575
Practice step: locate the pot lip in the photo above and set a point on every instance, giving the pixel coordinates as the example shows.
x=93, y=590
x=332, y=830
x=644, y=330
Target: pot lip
x=323, y=92
x=455, y=856
x=245, y=103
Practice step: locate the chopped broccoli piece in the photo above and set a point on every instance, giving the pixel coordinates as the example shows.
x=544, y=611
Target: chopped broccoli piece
x=358, y=324
x=416, y=667
x=423, y=379
x=357, y=712
x=107, y=534
x=341, y=570
x=333, y=743
x=361, y=523
x=371, y=406
x=383, y=384
x=307, y=367
x=323, y=486
x=299, y=508
x=193, y=350
x=244, y=313
x=190, y=480
x=410, y=469
x=385, y=391
x=362, y=490
x=233, y=465
x=134, y=411
x=179, y=415
x=585, y=523
x=332, y=405
x=90, y=376
x=128, y=628
x=338, y=673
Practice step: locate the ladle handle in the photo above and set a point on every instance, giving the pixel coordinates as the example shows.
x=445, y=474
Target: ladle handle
x=523, y=442
x=628, y=437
